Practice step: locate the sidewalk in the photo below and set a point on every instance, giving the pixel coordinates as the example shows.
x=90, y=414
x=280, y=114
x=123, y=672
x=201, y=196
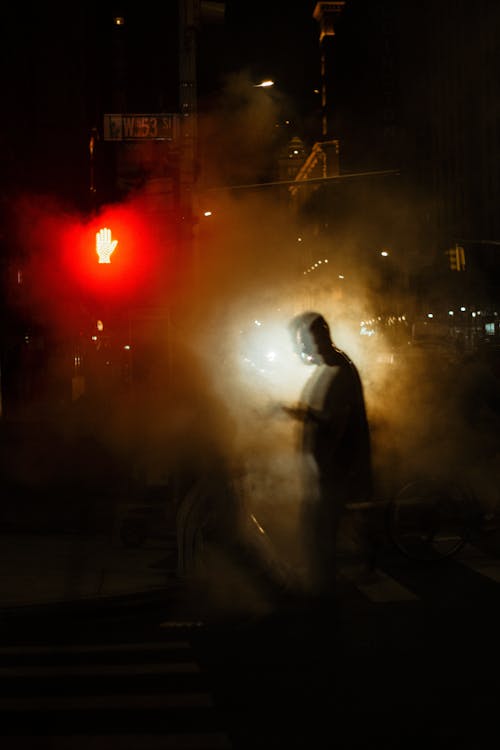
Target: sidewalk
x=38, y=569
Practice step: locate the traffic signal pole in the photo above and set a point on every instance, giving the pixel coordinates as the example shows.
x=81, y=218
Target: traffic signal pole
x=189, y=20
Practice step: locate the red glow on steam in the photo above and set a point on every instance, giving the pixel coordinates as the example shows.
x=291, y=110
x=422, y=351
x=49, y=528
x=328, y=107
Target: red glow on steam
x=115, y=255
x=62, y=276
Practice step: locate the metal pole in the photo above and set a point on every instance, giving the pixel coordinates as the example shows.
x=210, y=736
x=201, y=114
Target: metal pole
x=188, y=27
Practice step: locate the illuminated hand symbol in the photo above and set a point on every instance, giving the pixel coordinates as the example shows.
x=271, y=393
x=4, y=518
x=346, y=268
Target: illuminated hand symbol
x=104, y=245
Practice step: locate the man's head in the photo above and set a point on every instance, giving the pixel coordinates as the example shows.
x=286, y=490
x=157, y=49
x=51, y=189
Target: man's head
x=310, y=337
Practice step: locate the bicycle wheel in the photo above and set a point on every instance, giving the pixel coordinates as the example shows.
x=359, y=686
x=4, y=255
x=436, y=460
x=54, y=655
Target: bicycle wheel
x=430, y=520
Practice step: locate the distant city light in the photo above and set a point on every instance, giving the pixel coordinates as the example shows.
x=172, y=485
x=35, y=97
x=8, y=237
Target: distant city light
x=450, y=312
x=365, y=331
x=119, y=21
x=264, y=84
x=430, y=315
x=207, y=213
x=463, y=309
x=315, y=265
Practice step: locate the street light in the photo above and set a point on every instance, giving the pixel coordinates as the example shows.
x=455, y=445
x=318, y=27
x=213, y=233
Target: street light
x=264, y=84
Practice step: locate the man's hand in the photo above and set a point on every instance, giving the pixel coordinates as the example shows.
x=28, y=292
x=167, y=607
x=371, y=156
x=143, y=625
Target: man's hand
x=104, y=245
x=296, y=412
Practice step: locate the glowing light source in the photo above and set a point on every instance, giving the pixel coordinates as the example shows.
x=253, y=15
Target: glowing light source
x=365, y=331
x=104, y=245
x=264, y=84
x=257, y=524
x=384, y=253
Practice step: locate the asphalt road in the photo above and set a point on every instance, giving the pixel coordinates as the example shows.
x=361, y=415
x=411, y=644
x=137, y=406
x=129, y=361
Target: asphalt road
x=408, y=659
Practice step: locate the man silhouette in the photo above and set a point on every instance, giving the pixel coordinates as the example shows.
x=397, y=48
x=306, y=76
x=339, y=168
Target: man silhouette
x=335, y=445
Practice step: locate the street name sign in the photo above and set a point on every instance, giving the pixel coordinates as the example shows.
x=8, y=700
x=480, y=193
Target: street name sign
x=133, y=127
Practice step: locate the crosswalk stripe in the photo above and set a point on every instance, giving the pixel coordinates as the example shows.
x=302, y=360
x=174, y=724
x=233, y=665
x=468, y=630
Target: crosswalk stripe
x=109, y=702
x=101, y=670
x=386, y=589
x=480, y=563
x=100, y=648
x=187, y=741
x=380, y=587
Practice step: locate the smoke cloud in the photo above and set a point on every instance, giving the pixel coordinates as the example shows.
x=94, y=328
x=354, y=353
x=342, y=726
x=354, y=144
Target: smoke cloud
x=212, y=370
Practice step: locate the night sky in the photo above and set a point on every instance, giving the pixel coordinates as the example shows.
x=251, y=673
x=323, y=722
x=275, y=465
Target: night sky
x=60, y=71
x=277, y=40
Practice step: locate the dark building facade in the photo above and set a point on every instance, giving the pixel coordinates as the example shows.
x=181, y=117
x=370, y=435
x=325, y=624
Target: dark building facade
x=414, y=88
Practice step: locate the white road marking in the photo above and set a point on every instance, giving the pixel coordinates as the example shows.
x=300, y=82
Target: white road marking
x=187, y=741
x=107, y=702
x=379, y=587
x=100, y=670
x=100, y=648
x=480, y=563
